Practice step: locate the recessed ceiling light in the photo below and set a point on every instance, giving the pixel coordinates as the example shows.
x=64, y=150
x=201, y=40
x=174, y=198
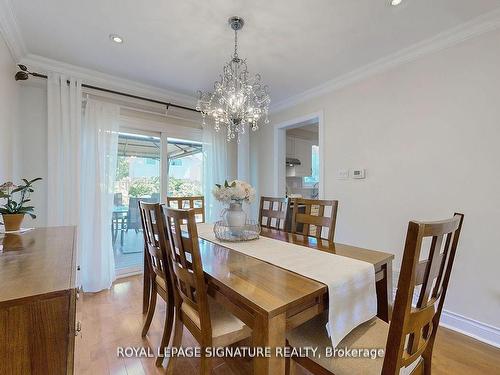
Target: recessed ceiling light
x=116, y=38
x=396, y=2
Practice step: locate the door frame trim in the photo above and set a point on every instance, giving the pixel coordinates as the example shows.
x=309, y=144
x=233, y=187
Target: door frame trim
x=279, y=139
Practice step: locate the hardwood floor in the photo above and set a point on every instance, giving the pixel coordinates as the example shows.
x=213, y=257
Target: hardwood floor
x=113, y=318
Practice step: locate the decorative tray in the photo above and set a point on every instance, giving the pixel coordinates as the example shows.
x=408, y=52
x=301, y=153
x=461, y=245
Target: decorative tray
x=249, y=231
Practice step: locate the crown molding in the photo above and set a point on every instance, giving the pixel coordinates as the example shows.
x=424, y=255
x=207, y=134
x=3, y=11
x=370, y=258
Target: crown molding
x=45, y=65
x=10, y=31
x=485, y=23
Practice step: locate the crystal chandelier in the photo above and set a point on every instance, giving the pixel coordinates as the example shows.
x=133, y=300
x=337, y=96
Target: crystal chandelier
x=237, y=100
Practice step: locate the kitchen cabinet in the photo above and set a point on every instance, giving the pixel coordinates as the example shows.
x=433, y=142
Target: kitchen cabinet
x=290, y=147
x=301, y=149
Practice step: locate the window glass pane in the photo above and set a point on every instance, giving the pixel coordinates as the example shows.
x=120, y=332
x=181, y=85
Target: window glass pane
x=185, y=168
x=137, y=179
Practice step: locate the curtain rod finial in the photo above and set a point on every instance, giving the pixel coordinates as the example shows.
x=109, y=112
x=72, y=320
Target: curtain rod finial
x=21, y=76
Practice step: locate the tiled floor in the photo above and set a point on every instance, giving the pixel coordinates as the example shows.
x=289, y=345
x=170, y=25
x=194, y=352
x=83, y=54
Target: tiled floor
x=113, y=318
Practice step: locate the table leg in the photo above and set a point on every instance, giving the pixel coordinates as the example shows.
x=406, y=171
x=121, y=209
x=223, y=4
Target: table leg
x=269, y=332
x=384, y=293
x=113, y=230
x=121, y=233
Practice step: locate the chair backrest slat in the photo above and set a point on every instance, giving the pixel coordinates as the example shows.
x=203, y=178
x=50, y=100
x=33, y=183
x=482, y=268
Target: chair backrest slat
x=413, y=326
x=272, y=212
x=187, y=269
x=155, y=239
x=195, y=202
x=314, y=215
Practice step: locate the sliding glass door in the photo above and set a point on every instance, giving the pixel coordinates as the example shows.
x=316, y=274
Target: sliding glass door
x=137, y=179
x=140, y=176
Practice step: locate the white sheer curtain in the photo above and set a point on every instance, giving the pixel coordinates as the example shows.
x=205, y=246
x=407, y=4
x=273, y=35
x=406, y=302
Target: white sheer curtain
x=243, y=148
x=215, y=169
x=64, y=109
x=99, y=156
x=81, y=172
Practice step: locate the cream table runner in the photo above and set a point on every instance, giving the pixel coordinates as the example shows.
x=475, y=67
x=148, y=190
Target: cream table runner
x=351, y=282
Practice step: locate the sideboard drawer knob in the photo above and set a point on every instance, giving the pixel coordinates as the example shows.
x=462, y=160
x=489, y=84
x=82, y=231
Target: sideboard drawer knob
x=78, y=328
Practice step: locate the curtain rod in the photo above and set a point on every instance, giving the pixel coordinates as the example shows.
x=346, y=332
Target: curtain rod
x=24, y=74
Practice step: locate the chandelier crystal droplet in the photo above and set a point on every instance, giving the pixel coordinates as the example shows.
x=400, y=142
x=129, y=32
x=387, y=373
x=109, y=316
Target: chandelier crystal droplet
x=238, y=100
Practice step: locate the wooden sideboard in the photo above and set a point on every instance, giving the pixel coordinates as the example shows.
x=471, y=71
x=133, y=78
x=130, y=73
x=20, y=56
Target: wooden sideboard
x=38, y=302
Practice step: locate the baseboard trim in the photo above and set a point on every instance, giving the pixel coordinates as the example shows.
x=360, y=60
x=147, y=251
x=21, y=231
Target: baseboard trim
x=470, y=327
x=473, y=328
x=129, y=271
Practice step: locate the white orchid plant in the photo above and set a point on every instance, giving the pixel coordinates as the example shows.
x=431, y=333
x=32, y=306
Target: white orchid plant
x=234, y=192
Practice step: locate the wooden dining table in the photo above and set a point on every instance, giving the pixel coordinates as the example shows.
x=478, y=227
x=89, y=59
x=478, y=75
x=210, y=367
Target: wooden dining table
x=272, y=300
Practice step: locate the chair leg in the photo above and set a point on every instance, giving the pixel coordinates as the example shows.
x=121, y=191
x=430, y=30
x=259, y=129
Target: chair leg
x=167, y=331
x=147, y=285
x=176, y=343
x=292, y=367
x=427, y=362
x=206, y=363
x=151, y=309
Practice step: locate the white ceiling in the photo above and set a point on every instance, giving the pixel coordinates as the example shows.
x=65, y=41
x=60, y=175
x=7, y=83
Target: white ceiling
x=181, y=45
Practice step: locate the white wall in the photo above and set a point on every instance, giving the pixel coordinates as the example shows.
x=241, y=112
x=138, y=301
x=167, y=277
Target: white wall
x=8, y=110
x=30, y=145
x=428, y=133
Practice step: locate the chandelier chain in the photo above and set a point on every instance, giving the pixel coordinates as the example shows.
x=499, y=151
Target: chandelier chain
x=235, y=44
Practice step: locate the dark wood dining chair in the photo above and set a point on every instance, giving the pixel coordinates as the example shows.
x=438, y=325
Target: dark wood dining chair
x=272, y=212
x=409, y=338
x=315, y=214
x=195, y=202
x=208, y=321
x=160, y=282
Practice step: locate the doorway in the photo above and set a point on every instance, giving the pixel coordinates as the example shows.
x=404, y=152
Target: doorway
x=299, y=161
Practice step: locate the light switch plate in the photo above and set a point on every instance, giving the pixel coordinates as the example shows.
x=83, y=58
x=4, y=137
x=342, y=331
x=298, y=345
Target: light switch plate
x=343, y=174
x=358, y=173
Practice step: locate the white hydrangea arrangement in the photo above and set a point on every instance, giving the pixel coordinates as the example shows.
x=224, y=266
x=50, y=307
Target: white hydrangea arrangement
x=234, y=192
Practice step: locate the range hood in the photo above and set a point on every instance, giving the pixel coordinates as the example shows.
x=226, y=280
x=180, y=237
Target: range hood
x=292, y=162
